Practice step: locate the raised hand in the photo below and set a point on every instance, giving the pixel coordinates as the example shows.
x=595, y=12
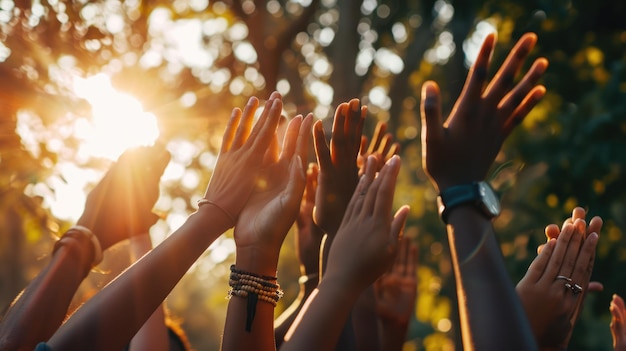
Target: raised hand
x=595, y=225
x=397, y=288
x=364, y=248
x=554, y=286
x=120, y=205
x=338, y=172
x=461, y=150
x=274, y=202
x=369, y=233
x=618, y=327
x=241, y=154
x=382, y=146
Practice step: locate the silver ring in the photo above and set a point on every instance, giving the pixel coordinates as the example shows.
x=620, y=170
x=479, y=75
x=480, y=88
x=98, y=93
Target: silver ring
x=575, y=288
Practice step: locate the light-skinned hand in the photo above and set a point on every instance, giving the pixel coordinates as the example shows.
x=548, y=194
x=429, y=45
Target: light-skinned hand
x=243, y=148
x=275, y=200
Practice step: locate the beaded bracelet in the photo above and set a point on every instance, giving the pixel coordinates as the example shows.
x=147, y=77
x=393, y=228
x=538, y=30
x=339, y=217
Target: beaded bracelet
x=84, y=231
x=253, y=287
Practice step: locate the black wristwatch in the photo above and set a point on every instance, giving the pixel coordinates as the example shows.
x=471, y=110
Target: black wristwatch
x=479, y=194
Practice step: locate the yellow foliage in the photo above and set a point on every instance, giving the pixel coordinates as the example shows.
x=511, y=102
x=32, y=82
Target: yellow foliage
x=438, y=342
x=598, y=187
x=595, y=56
x=552, y=200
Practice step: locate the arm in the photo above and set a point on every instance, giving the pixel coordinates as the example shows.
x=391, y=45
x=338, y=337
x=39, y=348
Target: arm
x=308, y=241
x=460, y=151
x=49, y=295
x=153, y=335
x=259, y=234
x=364, y=248
x=144, y=286
x=135, y=176
x=396, y=291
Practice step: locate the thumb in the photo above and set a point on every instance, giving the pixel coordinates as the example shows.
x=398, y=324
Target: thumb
x=430, y=108
x=399, y=220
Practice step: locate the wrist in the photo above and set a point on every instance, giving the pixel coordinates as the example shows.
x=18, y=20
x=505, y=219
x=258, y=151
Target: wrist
x=257, y=260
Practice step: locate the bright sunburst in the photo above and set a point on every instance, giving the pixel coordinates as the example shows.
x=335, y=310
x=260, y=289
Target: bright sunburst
x=119, y=121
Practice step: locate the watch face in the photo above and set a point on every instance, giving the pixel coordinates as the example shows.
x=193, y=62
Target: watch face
x=490, y=200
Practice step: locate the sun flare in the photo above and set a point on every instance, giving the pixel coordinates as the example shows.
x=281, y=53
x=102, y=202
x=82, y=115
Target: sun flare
x=119, y=121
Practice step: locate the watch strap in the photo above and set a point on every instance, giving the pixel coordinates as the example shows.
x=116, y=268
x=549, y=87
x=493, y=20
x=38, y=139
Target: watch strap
x=456, y=196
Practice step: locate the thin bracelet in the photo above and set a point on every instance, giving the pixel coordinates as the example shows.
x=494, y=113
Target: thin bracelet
x=97, y=249
x=204, y=201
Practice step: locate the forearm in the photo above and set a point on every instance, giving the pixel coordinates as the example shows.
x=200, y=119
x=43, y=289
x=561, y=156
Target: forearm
x=153, y=334
x=42, y=306
x=491, y=314
x=260, y=335
x=286, y=319
x=140, y=289
x=321, y=320
x=365, y=321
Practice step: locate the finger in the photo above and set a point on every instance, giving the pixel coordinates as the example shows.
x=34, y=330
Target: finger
x=381, y=128
x=385, y=144
x=356, y=203
x=569, y=261
x=311, y=182
x=517, y=117
x=552, y=231
x=578, y=213
x=304, y=138
x=393, y=150
x=477, y=76
x=231, y=128
x=584, y=263
x=272, y=152
x=291, y=137
x=363, y=149
x=595, y=225
x=558, y=255
x=514, y=98
x=296, y=184
x=619, y=302
x=398, y=222
x=338, y=137
x=265, y=128
x=354, y=127
x=540, y=263
x=382, y=200
x=245, y=122
x=595, y=287
x=505, y=76
x=432, y=128
x=322, y=152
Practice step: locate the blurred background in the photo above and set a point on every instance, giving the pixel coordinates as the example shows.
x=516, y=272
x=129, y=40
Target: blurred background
x=81, y=81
